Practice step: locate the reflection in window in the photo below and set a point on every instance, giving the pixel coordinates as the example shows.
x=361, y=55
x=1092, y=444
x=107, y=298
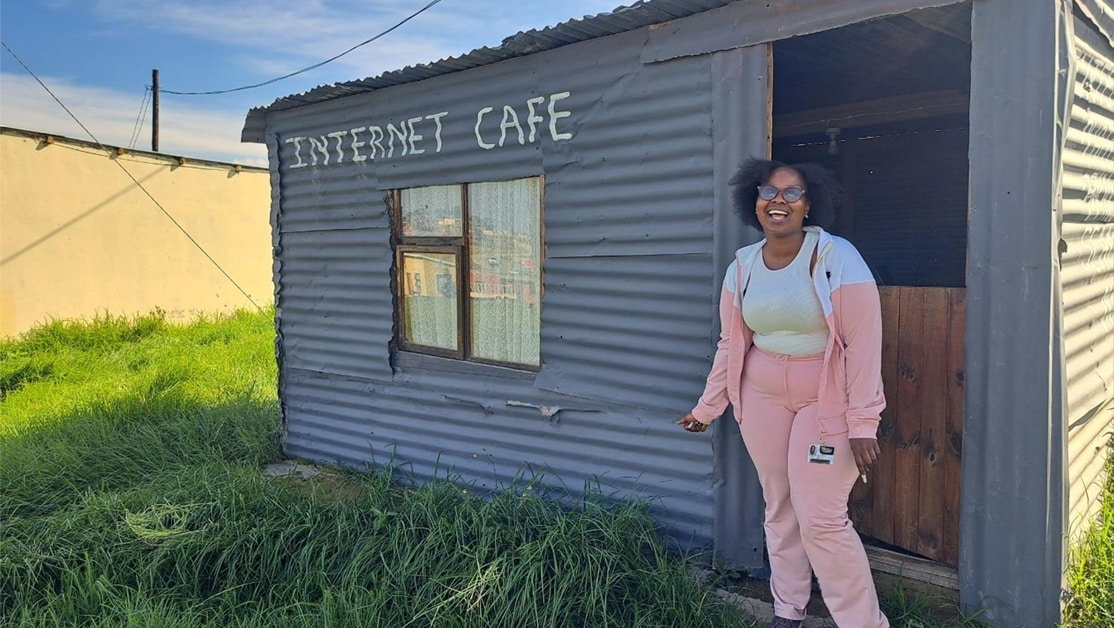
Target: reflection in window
x=432, y=211
x=430, y=316
x=498, y=230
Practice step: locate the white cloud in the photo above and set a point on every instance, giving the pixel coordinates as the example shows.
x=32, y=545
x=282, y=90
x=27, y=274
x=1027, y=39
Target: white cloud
x=111, y=116
x=280, y=36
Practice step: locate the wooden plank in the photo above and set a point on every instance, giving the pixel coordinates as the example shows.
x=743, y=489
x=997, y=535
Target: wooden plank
x=933, y=388
x=880, y=522
x=912, y=568
x=953, y=445
x=910, y=346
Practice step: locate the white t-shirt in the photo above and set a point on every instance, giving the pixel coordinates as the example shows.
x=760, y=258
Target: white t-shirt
x=782, y=309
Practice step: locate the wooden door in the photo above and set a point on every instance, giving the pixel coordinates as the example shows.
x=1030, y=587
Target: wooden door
x=912, y=498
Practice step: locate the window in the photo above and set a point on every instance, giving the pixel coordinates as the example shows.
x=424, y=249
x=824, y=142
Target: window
x=468, y=264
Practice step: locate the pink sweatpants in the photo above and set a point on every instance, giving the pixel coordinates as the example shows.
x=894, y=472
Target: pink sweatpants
x=806, y=519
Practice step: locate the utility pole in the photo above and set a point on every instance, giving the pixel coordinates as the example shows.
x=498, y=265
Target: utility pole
x=155, y=111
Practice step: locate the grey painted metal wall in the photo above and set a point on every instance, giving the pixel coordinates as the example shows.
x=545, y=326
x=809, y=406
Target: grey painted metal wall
x=1012, y=505
x=1087, y=270
x=627, y=315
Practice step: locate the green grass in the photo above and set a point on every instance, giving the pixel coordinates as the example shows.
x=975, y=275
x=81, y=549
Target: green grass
x=1091, y=578
x=131, y=495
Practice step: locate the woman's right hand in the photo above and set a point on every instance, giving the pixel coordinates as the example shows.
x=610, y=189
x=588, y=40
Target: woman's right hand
x=690, y=423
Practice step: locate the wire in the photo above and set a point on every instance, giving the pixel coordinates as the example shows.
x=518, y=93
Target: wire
x=306, y=69
x=141, y=118
x=132, y=177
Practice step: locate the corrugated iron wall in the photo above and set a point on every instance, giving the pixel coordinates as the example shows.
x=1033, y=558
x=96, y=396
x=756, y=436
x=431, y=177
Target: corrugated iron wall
x=628, y=226
x=1087, y=270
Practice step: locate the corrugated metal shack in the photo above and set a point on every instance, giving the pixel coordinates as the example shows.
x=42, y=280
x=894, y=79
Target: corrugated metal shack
x=507, y=262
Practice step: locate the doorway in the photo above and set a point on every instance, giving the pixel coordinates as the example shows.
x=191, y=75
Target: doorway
x=884, y=104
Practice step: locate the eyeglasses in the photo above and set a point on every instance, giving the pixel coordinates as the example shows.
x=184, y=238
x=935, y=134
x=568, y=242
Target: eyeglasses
x=791, y=194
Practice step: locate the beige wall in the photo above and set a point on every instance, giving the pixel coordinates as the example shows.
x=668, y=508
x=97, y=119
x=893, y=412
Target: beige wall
x=79, y=238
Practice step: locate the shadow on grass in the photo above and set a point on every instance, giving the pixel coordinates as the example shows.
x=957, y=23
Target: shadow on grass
x=118, y=443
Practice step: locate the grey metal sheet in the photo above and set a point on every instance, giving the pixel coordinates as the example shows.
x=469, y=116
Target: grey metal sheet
x=740, y=24
x=636, y=178
x=334, y=301
x=1087, y=275
x=340, y=198
x=439, y=425
x=1012, y=551
x=599, y=314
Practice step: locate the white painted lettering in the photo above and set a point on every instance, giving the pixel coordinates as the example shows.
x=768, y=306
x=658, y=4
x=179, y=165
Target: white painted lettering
x=338, y=135
x=436, y=117
x=532, y=118
x=297, y=142
x=414, y=137
x=479, y=120
x=372, y=142
x=392, y=133
x=356, y=145
x=376, y=141
x=510, y=121
x=319, y=145
x=555, y=115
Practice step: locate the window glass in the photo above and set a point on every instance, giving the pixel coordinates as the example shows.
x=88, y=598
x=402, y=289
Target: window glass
x=489, y=310
x=432, y=211
x=505, y=253
x=430, y=299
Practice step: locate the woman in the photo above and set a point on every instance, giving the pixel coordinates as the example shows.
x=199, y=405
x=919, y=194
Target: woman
x=799, y=359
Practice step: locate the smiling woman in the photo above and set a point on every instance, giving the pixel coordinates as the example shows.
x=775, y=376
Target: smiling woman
x=799, y=358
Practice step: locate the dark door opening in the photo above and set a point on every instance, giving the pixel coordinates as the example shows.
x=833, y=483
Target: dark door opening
x=885, y=105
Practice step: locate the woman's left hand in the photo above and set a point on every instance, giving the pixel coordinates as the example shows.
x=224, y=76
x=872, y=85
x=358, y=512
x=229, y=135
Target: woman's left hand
x=866, y=451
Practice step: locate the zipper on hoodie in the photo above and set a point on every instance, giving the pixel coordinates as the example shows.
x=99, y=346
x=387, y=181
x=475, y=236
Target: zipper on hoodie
x=828, y=351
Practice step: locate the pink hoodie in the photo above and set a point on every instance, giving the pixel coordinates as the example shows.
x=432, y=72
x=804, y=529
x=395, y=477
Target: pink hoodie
x=851, y=398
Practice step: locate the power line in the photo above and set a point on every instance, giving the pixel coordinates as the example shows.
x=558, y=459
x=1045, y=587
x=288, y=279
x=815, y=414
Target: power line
x=140, y=118
x=306, y=69
x=132, y=177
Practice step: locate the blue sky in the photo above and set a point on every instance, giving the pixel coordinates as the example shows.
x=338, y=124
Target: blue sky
x=97, y=57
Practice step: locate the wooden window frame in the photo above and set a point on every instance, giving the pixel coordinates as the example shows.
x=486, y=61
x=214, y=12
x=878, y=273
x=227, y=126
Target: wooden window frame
x=461, y=247
x=457, y=252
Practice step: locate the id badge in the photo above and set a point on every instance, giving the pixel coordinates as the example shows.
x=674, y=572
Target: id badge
x=821, y=454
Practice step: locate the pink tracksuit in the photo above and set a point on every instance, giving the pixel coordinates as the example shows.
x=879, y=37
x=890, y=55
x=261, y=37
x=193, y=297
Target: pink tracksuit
x=784, y=405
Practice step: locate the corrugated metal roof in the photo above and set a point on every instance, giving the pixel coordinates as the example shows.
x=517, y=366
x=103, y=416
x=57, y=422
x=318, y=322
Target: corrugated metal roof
x=621, y=20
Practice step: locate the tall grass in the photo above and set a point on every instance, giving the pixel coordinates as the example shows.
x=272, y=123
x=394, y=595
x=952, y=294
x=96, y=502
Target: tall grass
x=131, y=494
x=1091, y=578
